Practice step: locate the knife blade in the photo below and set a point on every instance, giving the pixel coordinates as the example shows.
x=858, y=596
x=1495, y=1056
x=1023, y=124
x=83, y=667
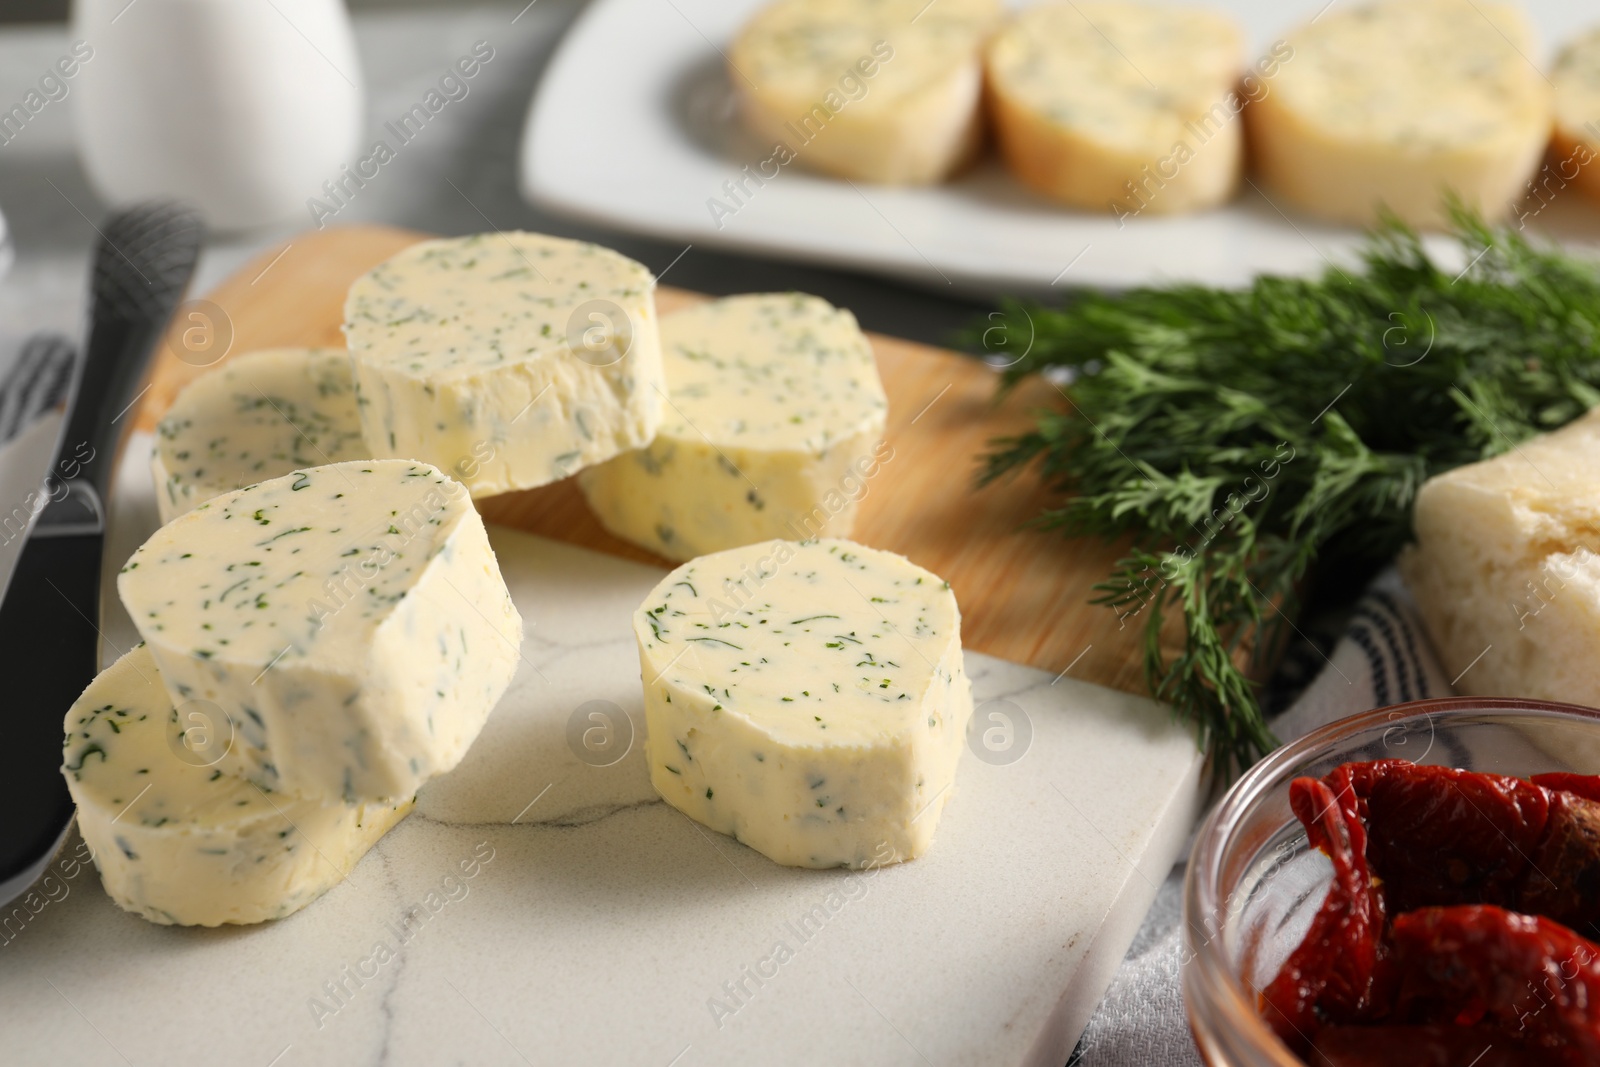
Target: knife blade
x=49, y=618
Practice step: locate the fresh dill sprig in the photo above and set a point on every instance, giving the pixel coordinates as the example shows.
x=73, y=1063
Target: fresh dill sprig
x=1240, y=439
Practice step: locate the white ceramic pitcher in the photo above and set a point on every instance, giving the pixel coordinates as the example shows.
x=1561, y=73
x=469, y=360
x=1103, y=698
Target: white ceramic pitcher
x=242, y=107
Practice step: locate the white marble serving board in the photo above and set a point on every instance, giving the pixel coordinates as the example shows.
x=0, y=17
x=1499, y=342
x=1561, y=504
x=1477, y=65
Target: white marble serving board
x=608, y=928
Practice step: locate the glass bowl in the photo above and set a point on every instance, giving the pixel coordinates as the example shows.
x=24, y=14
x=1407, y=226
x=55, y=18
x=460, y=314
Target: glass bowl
x=1253, y=885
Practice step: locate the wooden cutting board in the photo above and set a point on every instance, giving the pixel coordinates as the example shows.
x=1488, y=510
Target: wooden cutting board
x=1023, y=593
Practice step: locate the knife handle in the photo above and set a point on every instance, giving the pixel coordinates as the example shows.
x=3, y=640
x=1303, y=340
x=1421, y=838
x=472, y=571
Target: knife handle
x=143, y=263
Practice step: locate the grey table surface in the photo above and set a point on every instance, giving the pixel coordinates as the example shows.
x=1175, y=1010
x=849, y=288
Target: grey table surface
x=459, y=177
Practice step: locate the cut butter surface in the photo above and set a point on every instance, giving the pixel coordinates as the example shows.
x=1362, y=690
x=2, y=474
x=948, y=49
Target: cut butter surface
x=257, y=416
x=350, y=620
x=773, y=428
x=1506, y=568
x=1120, y=106
x=181, y=842
x=1576, y=148
x=807, y=698
x=507, y=360
x=875, y=90
x=1395, y=103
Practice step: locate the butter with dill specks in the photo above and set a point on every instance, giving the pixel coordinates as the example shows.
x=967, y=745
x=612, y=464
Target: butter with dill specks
x=507, y=360
x=179, y=841
x=350, y=620
x=774, y=425
x=255, y=417
x=807, y=698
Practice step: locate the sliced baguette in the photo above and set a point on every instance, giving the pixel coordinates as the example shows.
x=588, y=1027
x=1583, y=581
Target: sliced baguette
x=1118, y=106
x=883, y=91
x=1399, y=102
x=1576, y=146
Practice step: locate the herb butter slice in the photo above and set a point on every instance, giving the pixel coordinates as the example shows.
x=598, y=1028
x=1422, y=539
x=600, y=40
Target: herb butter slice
x=1109, y=104
x=508, y=360
x=350, y=620
x=255, y=417
x=873, y=90
x=1576, y=145
x=1396, y=104
x=181, y=842
x=807, y=698
x=774, y=426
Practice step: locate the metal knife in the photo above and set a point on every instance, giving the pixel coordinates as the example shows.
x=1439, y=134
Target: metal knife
x=49, y=618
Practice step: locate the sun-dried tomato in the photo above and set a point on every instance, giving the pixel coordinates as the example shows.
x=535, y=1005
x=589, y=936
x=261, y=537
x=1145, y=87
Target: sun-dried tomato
x=1441, y=836
x=1329, y=975
x=1586, y=786
x=1438, y=836
x=1454, y=925
x=1421, y=1046
x=1524, y=976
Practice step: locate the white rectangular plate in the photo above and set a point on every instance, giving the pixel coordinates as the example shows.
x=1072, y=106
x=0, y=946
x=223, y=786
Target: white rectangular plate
x=606, y=927
x=633, y=127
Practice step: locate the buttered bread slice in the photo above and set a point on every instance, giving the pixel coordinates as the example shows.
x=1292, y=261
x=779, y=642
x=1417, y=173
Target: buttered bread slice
x=180, y=841
x=773, y=430
x=1506, y=568
x=1398, y=104
x=258, y=416
x=349, y=620
x=1577, y=137
x=507, y=360
x=874, y=90
x=1119, y=106
x=807, y=698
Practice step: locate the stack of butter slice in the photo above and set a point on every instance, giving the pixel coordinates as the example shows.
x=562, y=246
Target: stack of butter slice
x=317, y=646
x=505, y=360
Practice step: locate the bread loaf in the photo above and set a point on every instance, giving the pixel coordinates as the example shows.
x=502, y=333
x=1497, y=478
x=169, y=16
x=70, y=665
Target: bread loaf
x=1506, y=568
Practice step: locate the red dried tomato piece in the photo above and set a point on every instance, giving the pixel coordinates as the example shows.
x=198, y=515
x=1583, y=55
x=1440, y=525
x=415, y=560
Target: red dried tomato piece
x=1563, y=879
x=1526, y=976
x=1421, y=1046
x=1586, y=786
x=1457, y=856
x=1439, y=836
x=1329, y=975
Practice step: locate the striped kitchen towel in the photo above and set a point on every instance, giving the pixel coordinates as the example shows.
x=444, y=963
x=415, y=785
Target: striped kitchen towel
x=1380, y=656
